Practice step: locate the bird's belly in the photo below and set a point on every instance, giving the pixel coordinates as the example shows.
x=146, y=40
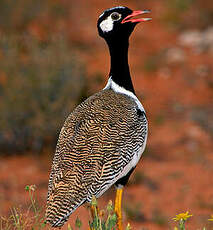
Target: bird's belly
x=134, y=161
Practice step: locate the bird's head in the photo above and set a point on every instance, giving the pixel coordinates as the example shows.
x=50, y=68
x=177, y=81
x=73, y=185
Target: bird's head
x=119, y=22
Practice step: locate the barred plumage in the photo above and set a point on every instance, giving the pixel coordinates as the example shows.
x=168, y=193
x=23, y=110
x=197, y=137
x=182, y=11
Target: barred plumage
x=98, y=140
x=102, y=139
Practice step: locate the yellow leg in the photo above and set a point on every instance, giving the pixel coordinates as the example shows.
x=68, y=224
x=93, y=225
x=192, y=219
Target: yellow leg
x=118, y=200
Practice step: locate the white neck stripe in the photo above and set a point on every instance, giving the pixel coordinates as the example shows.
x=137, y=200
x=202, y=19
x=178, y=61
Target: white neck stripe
x=118, y=89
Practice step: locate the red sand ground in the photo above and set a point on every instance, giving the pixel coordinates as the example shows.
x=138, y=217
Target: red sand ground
x=175, y=173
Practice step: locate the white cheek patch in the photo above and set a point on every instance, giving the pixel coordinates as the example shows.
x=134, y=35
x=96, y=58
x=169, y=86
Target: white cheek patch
x=107, y=25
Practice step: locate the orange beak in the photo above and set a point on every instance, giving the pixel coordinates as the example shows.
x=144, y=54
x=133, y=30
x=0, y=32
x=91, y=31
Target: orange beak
x=130, y=18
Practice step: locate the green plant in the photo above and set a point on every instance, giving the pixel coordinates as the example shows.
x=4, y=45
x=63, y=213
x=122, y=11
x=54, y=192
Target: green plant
x=31, y=219
x=182, y=218
x=103, y=220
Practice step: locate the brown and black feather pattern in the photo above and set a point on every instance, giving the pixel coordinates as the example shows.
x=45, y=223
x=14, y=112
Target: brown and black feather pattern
x=97, y=141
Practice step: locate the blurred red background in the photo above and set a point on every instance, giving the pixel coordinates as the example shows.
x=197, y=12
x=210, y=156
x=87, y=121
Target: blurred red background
x=52, y=58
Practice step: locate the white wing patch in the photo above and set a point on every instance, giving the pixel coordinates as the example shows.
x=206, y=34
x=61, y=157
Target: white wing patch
x=107, y=24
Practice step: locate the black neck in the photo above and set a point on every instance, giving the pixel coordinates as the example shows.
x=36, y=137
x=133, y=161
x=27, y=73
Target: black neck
x=119, y=70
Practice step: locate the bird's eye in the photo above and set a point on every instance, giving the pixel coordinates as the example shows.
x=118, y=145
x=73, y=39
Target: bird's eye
x=115, y=16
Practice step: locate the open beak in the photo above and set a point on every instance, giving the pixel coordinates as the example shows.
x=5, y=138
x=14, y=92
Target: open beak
x=130, y=18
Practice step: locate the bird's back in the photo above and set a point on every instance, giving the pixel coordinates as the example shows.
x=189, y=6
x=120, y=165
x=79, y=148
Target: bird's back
x=101, y=140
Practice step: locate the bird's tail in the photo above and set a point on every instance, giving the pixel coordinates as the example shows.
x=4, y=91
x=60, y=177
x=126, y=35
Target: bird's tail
x=61, y=203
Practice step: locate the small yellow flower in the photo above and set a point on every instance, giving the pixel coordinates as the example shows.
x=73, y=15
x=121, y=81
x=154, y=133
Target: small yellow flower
x=211, y=219
x=128, y=227
x=182, y=216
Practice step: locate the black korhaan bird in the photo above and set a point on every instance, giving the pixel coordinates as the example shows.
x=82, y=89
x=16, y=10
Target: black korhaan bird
x=104, y=137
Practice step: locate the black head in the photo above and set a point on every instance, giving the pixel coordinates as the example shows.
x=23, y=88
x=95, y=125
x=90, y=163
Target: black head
x=118, y=22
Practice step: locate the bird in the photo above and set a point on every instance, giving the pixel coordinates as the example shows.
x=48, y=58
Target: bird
x=103, y=139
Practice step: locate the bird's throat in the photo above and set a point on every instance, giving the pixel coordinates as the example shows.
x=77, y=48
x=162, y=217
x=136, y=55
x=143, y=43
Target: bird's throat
x=119, y=69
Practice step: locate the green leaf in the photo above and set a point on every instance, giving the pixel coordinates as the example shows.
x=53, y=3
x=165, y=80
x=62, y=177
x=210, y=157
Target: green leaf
x=78, y=223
